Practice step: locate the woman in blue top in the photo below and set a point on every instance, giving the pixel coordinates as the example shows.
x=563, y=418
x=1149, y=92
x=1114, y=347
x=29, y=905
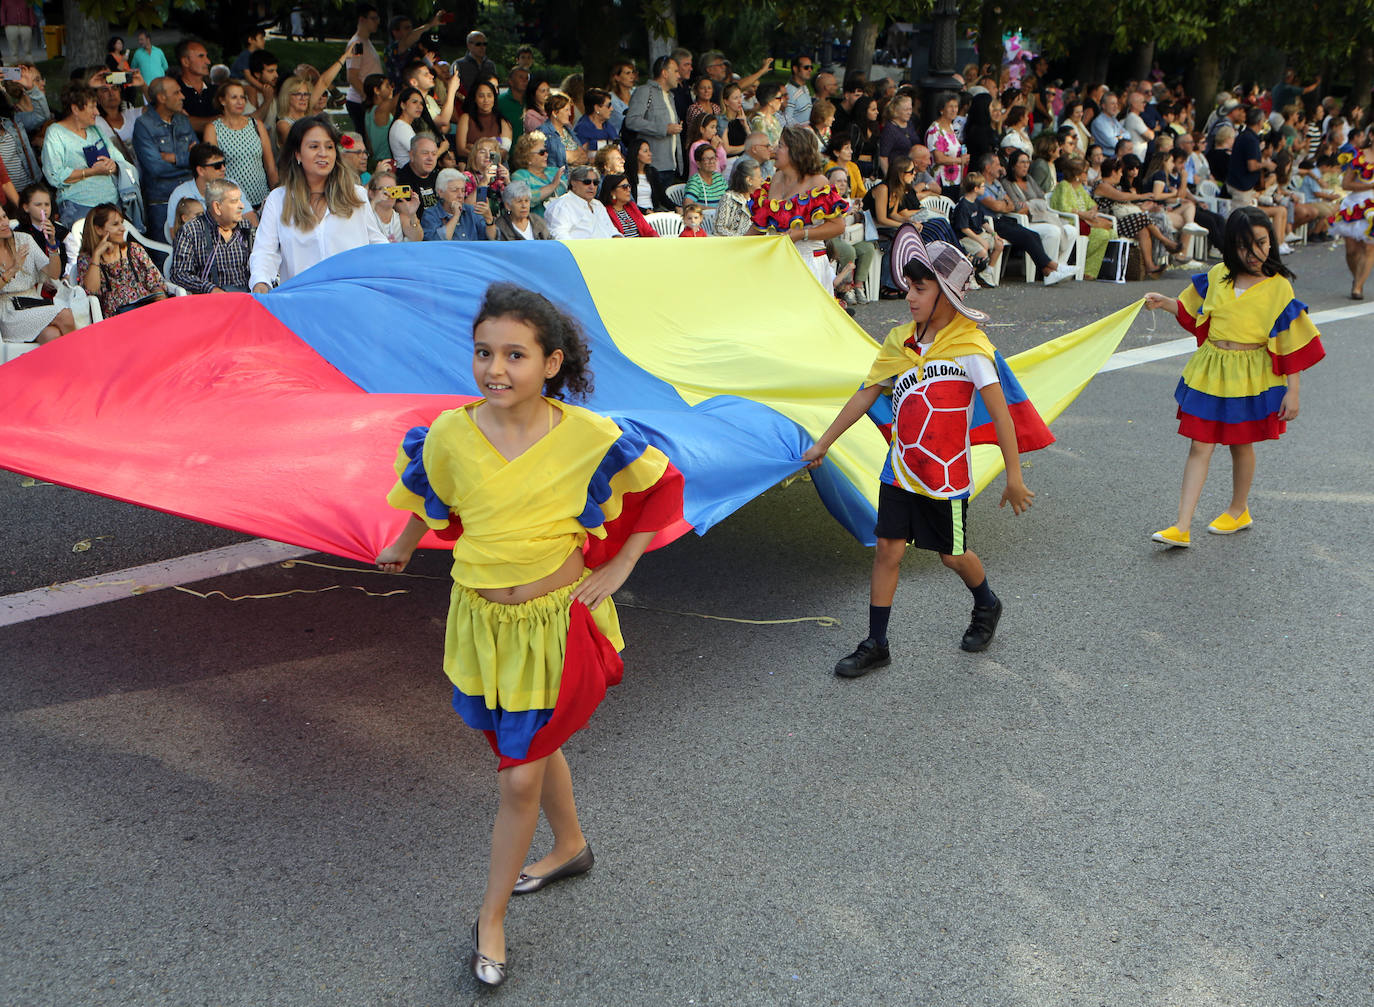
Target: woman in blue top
x=76, y=160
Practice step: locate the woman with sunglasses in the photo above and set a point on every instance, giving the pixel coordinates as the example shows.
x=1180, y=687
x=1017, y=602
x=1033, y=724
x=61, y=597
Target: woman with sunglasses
x=530, y=159
x=618, y=196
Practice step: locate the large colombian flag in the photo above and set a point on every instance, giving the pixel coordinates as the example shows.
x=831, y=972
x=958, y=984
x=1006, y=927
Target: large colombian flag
x=279, y=415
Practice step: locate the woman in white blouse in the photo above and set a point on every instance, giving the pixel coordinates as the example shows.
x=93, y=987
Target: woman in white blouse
x=319, y=209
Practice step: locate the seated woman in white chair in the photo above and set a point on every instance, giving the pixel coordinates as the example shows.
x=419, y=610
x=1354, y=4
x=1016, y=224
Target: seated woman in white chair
x=25, y=269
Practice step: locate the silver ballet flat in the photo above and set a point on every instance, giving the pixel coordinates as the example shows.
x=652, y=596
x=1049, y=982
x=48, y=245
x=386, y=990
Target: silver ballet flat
x=580, y=864
x=485, y=970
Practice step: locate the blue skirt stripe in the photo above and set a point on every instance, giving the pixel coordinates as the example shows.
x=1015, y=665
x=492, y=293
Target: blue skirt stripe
x=1241, y=409
x=514, y=729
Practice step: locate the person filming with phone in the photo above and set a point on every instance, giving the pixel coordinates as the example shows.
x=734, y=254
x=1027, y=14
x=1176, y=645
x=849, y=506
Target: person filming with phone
x=362, y=62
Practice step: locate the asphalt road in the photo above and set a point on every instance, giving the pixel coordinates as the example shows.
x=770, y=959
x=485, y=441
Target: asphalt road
x=1155, y=788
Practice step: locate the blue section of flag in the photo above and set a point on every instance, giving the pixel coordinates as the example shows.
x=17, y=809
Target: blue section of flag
x=417, y=338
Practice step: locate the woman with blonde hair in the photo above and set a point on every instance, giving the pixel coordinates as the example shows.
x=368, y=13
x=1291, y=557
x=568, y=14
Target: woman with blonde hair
x=529, y=162
x=293, y=102
x=317, y=211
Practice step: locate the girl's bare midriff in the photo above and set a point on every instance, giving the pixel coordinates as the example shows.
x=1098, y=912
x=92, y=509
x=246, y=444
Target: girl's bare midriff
x=566, y=574
x=1226, y=344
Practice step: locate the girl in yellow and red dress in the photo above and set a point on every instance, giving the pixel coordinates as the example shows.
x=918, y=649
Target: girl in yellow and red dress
x=551, y=506
x=1354, y=220
x=1241, y=386
x=798, y=202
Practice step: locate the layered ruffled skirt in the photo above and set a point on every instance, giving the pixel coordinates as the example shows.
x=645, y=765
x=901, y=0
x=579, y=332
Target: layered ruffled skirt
x=529, y=676
x=1230, y=396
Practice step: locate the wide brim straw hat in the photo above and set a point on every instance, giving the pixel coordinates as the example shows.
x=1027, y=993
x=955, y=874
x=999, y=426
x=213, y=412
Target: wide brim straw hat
x=952, y=268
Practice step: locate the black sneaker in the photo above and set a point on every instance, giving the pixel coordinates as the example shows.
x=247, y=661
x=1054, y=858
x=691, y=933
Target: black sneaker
x=869, y=655
x=981, y=628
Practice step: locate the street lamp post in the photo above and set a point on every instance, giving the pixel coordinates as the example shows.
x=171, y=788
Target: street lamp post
x=939, y=78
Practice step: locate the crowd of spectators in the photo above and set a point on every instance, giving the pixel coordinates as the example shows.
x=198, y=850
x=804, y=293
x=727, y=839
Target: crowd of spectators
x=244, y=172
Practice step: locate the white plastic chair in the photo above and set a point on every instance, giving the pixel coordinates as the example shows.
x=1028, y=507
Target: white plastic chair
x=1080, y=245
x=665, y=224
x=8, y=351
x=676, y=193
x=942, y=205
x=708, y=221
x=853, y=234
x=1196, y=237
x=73, y=244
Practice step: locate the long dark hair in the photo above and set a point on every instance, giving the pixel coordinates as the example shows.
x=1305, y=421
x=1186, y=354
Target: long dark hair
x=632, y=169
x=858, y=119
x=554, y=329
x=470, y=105
x=1239, y=238
x=609, y=183
x=401, y=100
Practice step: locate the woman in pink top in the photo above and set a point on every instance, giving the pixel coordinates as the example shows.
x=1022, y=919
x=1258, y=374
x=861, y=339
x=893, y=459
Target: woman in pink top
x=945, y=146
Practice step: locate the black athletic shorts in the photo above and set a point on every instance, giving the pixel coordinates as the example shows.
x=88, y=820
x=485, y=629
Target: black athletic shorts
x=925, y=522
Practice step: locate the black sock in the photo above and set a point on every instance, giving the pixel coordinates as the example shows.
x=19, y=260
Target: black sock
x=983, y=596
x=877, y=622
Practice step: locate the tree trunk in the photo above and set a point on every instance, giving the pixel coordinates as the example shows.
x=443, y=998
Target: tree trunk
x=661, y=45
x=862, y=43
x=1142, y=60
x=85, y=36
x=1364, y=79
x=1205, y=77
x=598, y=40
x=989, y=37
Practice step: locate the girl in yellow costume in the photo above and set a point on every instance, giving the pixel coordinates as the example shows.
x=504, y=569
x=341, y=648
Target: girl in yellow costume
x=522, y=479
x=1231, y=392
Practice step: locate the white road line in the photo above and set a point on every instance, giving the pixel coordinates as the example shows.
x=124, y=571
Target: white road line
x=75, y=594
x=1178, y=347
x=68, y=597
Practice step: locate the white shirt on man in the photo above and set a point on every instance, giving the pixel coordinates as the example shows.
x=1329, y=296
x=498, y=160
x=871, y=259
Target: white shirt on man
x=282, y=251
x=570, y=216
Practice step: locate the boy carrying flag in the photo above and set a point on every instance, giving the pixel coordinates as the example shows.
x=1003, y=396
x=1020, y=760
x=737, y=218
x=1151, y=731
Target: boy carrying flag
x=930, y=369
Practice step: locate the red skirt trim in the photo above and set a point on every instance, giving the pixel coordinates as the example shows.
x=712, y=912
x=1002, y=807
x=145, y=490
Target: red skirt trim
x=1215, y=432
x=591, y=665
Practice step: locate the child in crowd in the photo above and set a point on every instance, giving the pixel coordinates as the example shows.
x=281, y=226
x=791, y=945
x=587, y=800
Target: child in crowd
x=38, y=223
x=970, y=222
x=941, y=358
x=692, y=218
x=187, y=210
x=521, y=479
x=1241, y=386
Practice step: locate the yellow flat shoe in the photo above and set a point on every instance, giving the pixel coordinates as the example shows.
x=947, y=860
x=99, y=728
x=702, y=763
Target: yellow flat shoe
x=1228, y=525
x=1173, y=537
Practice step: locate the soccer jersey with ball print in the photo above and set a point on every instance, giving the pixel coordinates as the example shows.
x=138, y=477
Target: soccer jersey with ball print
x=930, y=430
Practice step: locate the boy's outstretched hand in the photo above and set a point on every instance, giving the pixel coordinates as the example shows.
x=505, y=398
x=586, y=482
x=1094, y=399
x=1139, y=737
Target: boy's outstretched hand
x=813, y=456
x=1019, y=496
x=393, y=558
